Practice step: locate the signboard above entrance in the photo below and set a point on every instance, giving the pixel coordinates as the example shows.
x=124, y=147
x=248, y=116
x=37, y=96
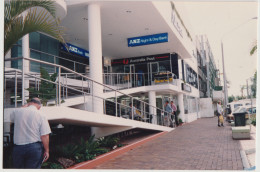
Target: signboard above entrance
x=148, y=39
x=143, y=59
x=76, y=50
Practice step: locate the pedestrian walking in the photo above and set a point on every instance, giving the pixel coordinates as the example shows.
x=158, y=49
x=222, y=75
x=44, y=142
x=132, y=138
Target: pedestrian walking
x=133, y=108
x=31, y=136
x=167, y=114
x=174, y=109
x=219, y=113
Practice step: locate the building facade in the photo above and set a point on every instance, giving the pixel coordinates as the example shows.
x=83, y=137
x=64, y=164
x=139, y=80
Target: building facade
x=120, y=54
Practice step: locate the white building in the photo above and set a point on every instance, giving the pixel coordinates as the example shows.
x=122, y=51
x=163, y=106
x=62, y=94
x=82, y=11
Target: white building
x=119, y=53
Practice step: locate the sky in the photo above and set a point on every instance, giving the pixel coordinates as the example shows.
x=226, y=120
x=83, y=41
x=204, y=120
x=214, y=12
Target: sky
x=231, y=21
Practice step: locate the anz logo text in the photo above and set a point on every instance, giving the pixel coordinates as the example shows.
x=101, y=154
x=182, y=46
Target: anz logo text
x=73, y=49
x=135, y=41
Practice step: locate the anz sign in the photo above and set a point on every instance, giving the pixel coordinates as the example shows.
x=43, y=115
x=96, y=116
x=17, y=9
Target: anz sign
x=148, y=39
x=76, y=50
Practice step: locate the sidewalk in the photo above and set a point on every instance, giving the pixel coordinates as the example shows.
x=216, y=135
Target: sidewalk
x=200, y=145
x=249, y=147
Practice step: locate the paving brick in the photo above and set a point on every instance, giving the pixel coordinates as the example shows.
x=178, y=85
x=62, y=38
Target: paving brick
x=199, y=145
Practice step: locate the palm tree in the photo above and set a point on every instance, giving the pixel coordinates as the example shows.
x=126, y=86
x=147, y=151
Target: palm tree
x=23, y=17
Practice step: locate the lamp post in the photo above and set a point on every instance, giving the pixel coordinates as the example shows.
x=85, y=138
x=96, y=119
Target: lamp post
x=223, y=63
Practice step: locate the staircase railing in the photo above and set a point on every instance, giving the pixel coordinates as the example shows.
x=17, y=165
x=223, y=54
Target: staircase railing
x=116, y=103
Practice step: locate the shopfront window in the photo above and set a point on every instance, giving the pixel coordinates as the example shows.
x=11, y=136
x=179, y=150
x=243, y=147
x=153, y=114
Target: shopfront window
x=165, y=66
x=191, y=76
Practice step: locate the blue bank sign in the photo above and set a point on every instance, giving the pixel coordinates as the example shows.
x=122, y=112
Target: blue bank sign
x=149, y=39
x=76, y=50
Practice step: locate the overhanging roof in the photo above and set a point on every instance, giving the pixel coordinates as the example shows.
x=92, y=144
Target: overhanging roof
x=119, y=21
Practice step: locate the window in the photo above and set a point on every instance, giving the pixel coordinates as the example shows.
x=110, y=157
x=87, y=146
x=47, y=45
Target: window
x=191, y=76
x=237, y=105
x=164, y=66
x=44, y=44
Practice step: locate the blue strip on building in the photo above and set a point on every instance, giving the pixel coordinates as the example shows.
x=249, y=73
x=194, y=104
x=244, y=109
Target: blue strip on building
x=149, y=39
x=76, y=50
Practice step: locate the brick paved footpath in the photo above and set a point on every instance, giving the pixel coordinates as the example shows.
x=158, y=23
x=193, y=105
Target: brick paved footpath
x=199, y=145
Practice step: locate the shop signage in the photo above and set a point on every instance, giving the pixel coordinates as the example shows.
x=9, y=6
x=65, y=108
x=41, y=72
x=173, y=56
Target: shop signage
x=185, y=87
x=76, y=50
x=143, y=59
x=149, y=39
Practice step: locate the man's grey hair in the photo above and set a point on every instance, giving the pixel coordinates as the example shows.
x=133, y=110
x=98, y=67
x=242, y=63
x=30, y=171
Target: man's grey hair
x=36, y=100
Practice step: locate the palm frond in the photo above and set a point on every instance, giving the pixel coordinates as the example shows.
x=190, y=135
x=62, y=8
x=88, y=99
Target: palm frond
x=14, y=8
x=33, y=22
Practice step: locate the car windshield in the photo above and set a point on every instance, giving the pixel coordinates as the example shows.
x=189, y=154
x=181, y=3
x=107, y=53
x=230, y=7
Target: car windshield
x=242, y=109
x=239, y=109
x=236, y=109
x=237, y=105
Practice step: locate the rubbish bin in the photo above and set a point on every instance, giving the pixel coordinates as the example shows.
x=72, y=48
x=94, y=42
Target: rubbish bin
x=240, y=118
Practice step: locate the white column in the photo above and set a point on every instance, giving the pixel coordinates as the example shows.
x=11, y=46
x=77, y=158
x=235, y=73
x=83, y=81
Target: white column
x=95, y=55
x=7, y=56
x=181, y=106
x=152, y=110
x=26, y=65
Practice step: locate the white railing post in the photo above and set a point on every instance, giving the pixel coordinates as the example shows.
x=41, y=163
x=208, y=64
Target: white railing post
x=66, y=86
x=23, y=82
x=63, y=89
x=85, y=101
x=15, y=90
x=132, y=108
x=82, y=85
x=116, y=103
x=117, y=81
x=56, y=100
x=59, y=88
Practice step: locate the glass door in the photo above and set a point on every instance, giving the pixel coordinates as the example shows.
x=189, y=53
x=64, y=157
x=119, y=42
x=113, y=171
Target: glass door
x=153, y=68
x=130, y=69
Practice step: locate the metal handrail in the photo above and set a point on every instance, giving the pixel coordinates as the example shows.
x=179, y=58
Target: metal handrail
x=83, y=76
x=116, y=79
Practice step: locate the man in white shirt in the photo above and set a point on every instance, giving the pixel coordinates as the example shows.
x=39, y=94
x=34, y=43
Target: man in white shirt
x=219, y=112
x=31, y=136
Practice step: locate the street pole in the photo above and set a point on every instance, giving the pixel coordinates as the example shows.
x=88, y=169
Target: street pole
x=223, y=65
x=247, y=88
x=224, y=79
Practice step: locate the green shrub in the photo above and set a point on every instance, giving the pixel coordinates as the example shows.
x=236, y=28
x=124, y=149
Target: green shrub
x=253, y=122
x=108, y=141
x=180, y=121
x=68, y=150
x=51, y=165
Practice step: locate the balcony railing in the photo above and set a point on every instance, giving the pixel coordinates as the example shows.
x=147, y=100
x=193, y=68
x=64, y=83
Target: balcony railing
x=132, y=80
x=15, y=83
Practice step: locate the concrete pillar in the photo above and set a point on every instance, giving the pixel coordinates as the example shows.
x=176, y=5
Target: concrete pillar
x=181, y=106
x=26, y=65
x=7, y=56
x=95, y=55
x=152, y=110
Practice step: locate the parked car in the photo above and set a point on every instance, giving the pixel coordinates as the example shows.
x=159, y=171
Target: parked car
x=250, y=111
